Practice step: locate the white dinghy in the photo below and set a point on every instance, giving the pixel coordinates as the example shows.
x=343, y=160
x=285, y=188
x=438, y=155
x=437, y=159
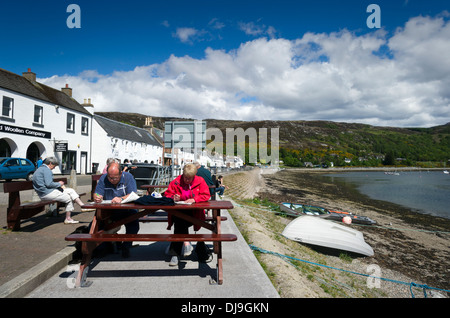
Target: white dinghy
x=316, y=231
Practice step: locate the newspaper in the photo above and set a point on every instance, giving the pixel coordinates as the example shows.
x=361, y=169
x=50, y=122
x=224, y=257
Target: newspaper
x=132, y=197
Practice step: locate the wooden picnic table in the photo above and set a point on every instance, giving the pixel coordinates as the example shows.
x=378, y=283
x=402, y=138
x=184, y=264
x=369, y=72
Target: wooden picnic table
x=103, y=211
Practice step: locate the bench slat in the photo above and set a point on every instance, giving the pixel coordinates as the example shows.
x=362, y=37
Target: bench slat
x=35, y=204
x=17, y=186
x=151, y=237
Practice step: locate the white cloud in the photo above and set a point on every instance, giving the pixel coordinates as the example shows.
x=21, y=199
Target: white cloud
x=338, y=76
x=255, y=29
x=185, y=34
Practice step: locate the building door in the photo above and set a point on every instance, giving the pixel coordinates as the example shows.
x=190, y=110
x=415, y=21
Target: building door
x=69, y=161
x=33, y=153
x=5, y=149
x=83, y=162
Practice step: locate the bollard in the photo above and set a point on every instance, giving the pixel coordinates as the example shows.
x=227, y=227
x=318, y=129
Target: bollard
x=73, y=179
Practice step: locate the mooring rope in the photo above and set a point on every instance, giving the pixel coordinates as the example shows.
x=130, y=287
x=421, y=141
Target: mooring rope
x=411, y=284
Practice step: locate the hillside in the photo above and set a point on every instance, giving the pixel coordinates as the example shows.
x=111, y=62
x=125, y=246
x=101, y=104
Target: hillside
x=322, y=142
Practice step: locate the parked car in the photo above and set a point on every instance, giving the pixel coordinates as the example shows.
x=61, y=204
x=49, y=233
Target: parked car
x=16, y=168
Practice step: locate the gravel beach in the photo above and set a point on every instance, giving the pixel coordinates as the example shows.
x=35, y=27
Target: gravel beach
x=409, y=247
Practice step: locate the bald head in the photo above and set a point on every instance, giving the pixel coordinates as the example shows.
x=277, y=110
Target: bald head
x=114, y=167
x=114, y=172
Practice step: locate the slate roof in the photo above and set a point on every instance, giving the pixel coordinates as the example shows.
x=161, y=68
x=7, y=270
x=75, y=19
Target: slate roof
x=20, y=84
x=124, y=131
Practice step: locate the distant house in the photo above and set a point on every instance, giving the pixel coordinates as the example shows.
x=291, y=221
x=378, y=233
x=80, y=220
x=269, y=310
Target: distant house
x=122, y=141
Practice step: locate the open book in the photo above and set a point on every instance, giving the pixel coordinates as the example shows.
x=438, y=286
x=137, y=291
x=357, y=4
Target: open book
x=132, y=197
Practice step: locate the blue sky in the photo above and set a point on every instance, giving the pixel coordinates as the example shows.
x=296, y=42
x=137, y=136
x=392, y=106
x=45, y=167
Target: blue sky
x=222, y=59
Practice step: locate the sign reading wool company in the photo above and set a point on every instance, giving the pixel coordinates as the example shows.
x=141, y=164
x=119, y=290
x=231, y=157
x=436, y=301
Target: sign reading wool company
x=25, y=131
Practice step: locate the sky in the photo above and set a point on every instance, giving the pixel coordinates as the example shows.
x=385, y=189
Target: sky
x=343, y=61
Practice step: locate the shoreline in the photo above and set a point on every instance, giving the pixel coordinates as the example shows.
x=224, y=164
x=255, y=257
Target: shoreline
x=411, y=243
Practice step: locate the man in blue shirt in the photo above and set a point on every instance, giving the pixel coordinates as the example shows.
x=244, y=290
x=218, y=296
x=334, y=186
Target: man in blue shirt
x=116, y=185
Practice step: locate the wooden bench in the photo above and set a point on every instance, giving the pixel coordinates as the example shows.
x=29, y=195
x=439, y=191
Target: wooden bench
x=93, y=240
x=17, y=210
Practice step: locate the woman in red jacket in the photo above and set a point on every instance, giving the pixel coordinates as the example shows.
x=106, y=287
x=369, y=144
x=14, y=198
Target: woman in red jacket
x=190, y=188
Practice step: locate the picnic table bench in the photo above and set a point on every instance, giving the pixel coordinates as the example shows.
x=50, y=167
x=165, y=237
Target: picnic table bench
x=103, y=211
x=17, y=210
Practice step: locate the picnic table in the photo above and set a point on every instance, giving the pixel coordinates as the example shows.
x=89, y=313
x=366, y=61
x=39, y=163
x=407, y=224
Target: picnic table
x=96, y=236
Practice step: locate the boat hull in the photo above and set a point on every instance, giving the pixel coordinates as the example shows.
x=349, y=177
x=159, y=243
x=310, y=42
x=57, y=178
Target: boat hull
x=297, y=209
x=319, y=232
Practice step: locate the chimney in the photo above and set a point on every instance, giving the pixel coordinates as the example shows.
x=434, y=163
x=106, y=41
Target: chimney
x=88, y=104
x=67, y=90
x=148, y=125
x=29, y=75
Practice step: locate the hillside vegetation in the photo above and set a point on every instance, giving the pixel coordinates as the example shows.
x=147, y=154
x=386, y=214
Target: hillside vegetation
x=343, y=144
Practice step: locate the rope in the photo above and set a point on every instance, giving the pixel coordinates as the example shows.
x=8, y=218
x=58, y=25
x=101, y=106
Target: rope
x=411, y=284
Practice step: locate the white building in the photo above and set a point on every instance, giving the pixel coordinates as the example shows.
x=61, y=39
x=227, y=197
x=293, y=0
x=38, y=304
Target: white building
x=122, y=141
x=234, y=162
x=39, y=121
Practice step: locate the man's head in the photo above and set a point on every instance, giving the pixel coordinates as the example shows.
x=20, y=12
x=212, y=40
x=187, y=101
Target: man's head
x=51, y=162
x=114, y=172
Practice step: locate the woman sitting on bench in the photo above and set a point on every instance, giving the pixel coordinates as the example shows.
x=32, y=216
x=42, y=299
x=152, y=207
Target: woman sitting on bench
x=190, y=188
x=47, y=189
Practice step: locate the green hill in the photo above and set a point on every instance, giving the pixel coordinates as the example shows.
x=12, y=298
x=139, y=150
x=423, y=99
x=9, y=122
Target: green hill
x=344, y=144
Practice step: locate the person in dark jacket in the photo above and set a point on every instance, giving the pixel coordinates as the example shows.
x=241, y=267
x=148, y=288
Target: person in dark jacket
x=206, y=175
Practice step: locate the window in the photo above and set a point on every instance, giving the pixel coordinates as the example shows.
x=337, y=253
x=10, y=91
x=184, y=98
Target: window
x=8, y=107
x=38, y=111
x=12, y=162
x=25, y=162
x=84, y=126
x=70, y=127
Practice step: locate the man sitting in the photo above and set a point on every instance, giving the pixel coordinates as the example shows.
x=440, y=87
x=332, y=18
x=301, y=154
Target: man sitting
x=116, y=185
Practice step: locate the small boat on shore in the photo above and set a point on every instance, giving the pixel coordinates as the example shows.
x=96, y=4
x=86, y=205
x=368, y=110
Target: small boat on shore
x=297, y=209
x=393, y=173
x=319, y=232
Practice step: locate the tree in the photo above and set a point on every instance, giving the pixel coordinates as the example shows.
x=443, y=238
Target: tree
x=389, y=159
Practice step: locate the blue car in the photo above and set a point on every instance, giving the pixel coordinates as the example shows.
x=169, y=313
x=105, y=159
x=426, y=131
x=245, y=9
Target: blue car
x=16, y=168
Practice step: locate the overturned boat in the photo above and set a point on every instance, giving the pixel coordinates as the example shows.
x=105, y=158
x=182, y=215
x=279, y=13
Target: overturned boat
x=319, y=232
x=297, y=209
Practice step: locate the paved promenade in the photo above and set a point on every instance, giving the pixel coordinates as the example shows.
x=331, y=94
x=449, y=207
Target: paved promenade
x=35, y=263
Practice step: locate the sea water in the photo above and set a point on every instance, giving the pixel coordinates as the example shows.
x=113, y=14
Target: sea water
x=426, y=192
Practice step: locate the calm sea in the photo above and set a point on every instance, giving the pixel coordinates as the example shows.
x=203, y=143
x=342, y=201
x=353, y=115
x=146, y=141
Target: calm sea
x=426, y=192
